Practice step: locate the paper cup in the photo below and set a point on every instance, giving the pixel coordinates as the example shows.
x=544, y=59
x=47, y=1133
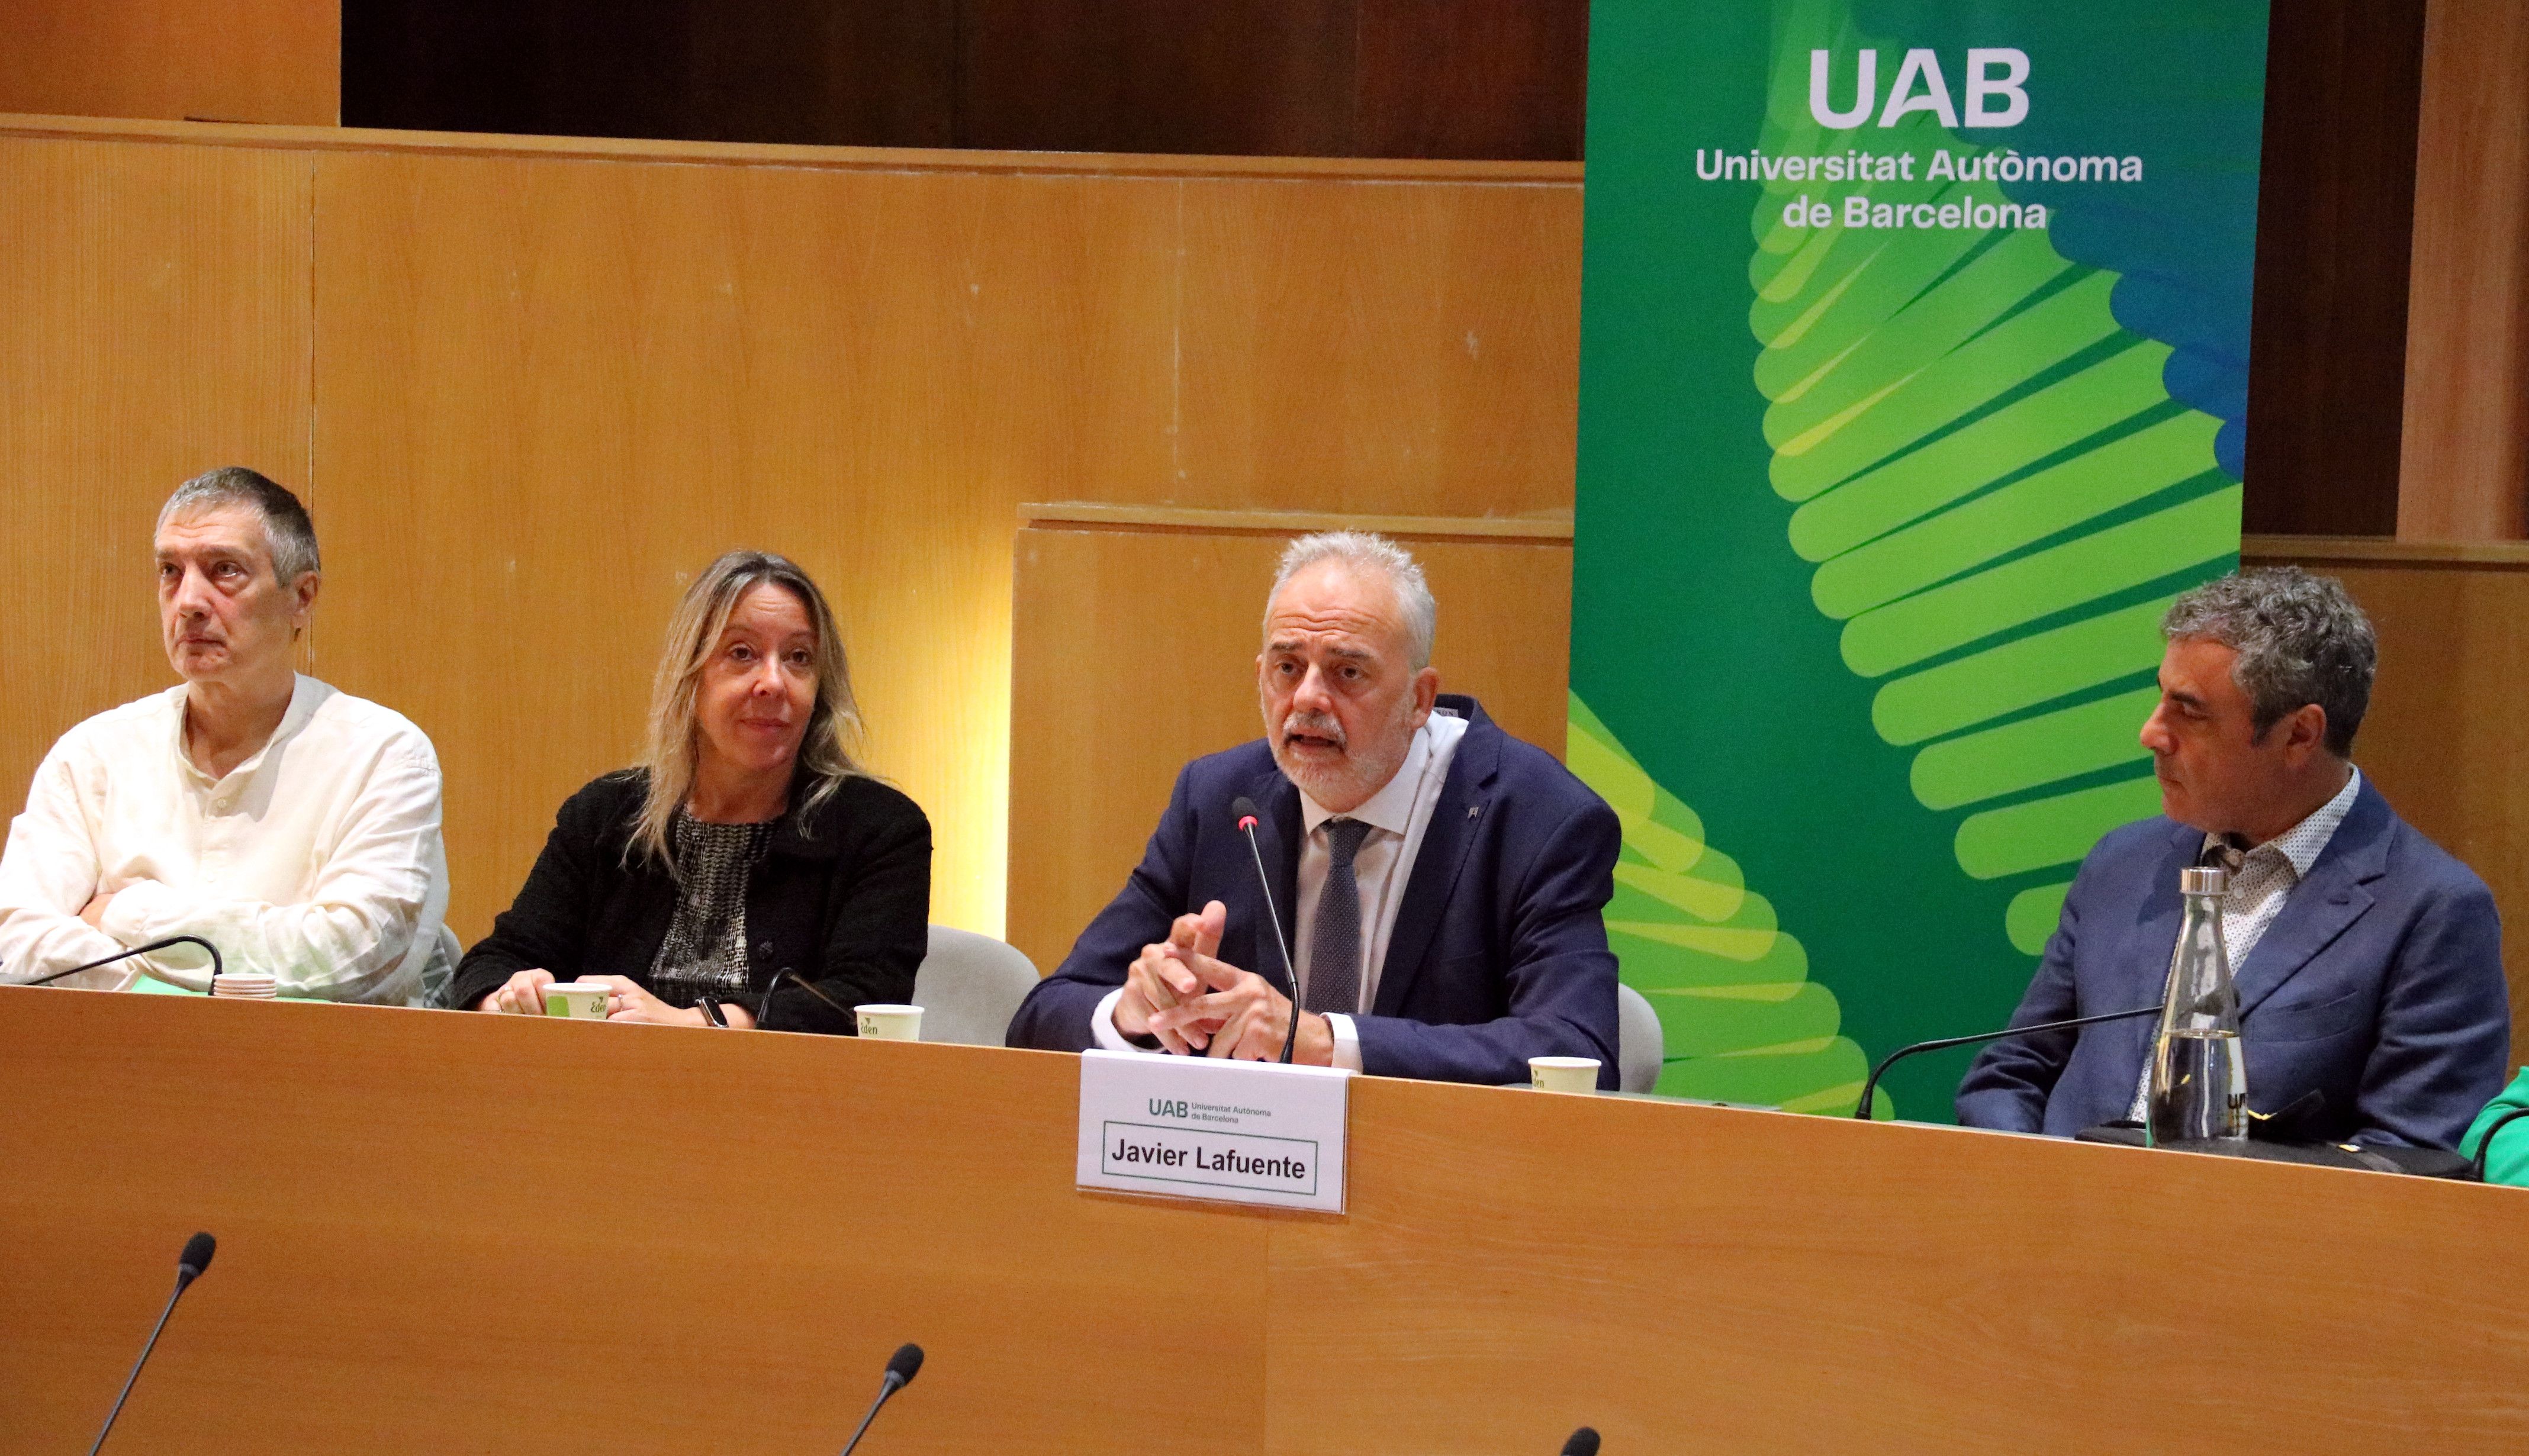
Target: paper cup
x=889, y=1023
x=1563, y=1073
x=576, y=1000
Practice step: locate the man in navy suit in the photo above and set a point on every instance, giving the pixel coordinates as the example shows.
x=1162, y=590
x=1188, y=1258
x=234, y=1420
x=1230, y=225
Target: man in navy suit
x=1439, y=883
x=2369, y=962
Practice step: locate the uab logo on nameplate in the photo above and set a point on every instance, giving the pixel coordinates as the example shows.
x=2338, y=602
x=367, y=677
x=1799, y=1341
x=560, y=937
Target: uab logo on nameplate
x=1240, y=1132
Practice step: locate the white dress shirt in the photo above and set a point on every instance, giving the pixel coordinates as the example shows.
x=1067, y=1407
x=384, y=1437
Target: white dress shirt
x=1399, y=816
x=2262, y=881
x=318, y=859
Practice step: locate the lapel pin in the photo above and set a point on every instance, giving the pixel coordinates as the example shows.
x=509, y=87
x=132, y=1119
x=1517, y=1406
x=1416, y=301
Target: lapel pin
x=1473, y=809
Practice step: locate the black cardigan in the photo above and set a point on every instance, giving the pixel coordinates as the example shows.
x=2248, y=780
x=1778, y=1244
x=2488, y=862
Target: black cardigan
x=842, y=903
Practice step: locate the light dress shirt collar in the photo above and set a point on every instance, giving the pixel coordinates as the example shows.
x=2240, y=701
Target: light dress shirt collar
x=2306, y=840
x=1392, y=807
x=2261, y=880
x=1401, y=811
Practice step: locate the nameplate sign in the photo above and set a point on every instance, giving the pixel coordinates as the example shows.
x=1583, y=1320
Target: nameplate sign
x=1242, y=1132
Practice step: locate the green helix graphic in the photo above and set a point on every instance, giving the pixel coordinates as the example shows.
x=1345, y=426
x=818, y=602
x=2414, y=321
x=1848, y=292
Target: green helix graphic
x=1977, y=447
x=1998, y=497
x=1742, y=1019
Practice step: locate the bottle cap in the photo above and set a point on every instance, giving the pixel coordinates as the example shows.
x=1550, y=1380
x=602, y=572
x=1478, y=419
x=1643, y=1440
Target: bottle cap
x=2203, y=879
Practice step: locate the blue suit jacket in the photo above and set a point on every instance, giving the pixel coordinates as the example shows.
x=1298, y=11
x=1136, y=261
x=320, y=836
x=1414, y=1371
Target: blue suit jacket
x=1500, y=952
x=2380, y=986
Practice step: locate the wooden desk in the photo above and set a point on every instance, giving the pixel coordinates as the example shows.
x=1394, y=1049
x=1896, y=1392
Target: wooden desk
x=446, y=1233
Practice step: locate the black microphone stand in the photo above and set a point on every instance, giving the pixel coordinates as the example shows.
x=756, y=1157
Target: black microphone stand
x=1862, y=1110
x=196, y=1257
x=218, y=967
x=1246, y=811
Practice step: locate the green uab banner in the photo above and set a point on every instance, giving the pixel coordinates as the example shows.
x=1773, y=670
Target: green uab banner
x=1913, y=387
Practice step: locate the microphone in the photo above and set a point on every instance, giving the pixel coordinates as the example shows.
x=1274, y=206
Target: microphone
x=901, y=1367
x=1583, y=1442
x=1862, y=1110
x=1245, y=808
x=189, y=1267
x=218, y=966
x=764, y=1007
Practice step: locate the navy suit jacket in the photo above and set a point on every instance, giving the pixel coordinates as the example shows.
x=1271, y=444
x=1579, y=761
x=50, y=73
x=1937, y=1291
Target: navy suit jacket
x=2380, y=986
x=1500, y=952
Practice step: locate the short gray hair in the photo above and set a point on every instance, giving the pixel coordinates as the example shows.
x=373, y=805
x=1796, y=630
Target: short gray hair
x=1369, y=552
x=287, y=530
x=2300, y=640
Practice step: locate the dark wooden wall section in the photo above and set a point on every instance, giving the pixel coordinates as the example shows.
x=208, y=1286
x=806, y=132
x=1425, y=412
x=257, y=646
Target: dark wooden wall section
x=1470, y=79
x=2336, y=207
x=873, y=73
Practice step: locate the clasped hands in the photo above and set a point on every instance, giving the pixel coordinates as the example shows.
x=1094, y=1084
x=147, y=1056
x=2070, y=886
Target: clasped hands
x=1179, y=992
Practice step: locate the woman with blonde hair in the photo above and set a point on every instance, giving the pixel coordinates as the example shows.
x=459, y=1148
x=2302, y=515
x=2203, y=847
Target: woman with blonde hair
x=747, y=873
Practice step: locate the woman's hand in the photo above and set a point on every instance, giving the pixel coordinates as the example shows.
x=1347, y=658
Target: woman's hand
x=626, y=1000
x=522, y=994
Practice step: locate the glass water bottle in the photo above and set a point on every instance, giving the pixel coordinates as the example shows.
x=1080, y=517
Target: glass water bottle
x=2199, y=1081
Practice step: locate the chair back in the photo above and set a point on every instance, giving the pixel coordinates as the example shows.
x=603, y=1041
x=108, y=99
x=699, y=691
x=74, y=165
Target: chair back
x=1640, y=1045
x=969, y=987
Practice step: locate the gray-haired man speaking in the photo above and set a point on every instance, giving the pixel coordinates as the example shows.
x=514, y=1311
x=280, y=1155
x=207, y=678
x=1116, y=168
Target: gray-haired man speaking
x=1440, y=883
x=2369, y=963
x=294, y=826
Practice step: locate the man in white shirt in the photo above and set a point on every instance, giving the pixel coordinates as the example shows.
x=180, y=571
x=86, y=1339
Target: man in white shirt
x=1439, y=883
x=294, y=827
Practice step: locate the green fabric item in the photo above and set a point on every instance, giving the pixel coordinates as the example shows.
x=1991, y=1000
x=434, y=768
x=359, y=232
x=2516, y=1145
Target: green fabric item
x=2510, y=1161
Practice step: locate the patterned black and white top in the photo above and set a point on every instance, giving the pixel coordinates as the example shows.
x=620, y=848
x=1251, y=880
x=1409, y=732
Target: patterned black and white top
x=705, y=950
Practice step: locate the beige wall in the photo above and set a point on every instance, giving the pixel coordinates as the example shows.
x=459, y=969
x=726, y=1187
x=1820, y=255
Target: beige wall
x=528, y=386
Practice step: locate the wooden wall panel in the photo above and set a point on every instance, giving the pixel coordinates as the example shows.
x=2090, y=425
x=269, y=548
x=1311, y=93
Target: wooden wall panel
x=551, y=391
x=1489, y=78
x=271, y=61
x=1135, y=651
x=1247, y=77
x=546, y=387
x=1472, y=77
x=1458, y=400
x=804, y=71
x=153, y=324
x=2466, y=448
x=2449, y=727
x=2335, y=199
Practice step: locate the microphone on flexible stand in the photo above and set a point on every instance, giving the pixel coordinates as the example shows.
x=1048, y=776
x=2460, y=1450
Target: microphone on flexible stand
x=764, y=1007
x=189, y=1267
x=1583, y=1442
x=901, y=1367
x=218, y=966
x=1245, y=808
x=1862, y=1110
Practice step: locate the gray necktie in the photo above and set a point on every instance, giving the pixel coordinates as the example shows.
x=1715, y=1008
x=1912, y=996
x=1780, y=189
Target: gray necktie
x=1334, y=944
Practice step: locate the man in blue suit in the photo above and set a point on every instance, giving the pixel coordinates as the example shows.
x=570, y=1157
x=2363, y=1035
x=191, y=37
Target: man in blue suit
x=1439, y=883
x=2369, y=962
